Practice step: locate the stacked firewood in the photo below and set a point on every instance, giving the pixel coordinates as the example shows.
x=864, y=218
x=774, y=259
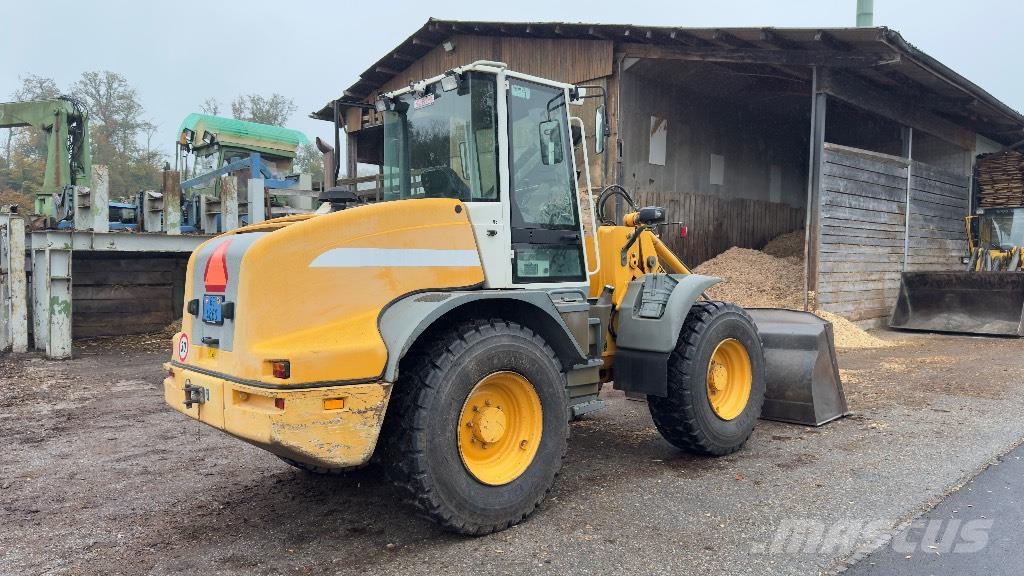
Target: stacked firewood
x=1001, y=179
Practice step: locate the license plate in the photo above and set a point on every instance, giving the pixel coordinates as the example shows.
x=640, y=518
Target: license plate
x=212, y=309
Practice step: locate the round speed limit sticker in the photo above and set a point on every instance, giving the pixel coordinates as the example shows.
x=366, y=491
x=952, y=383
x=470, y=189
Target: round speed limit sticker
x=183, y=347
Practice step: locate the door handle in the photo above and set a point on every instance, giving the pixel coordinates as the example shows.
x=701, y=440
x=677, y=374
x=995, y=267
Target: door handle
x=571, y=236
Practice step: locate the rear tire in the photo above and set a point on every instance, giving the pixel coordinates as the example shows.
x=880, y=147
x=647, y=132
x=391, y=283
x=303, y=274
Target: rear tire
x=430, y=452
x=686, y=417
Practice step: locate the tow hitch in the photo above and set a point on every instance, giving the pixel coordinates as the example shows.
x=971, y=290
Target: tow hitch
x=195, y=394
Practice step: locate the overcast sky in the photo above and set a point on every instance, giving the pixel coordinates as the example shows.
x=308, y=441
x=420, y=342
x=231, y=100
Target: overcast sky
x=179, y=53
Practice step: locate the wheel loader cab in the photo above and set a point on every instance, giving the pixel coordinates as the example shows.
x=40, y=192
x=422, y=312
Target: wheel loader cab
x=508, y=154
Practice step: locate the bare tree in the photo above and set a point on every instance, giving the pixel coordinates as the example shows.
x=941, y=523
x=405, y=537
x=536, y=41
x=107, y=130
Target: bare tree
x=210, y=106
x=116, y=126
x=275, y=110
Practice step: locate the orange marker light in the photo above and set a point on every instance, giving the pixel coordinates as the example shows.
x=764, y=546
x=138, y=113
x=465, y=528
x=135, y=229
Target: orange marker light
x=334, y=403
x=216, y=275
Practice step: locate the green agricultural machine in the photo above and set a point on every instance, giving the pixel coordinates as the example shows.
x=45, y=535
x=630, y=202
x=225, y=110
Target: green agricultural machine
x=68, y=160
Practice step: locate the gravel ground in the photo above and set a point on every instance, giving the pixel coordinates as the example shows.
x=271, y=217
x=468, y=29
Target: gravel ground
x=99, y=477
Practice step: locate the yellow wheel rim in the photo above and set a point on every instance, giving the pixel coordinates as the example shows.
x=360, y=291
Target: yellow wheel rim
x=500, y=427
x=729, y=379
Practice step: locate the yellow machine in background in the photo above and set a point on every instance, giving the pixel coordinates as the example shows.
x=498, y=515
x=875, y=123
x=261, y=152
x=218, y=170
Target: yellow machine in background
x=987, y=298
x=453, y=330
x=995, y=239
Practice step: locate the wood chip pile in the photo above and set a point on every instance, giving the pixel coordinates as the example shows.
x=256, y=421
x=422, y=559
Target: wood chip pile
x=774, y=278
x=1001, y=179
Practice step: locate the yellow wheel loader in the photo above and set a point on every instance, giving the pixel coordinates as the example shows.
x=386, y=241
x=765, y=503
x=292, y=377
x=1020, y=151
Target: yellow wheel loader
x=453, y=330
x=987, y=298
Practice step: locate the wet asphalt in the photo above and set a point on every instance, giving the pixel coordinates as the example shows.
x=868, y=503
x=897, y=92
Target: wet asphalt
x=979, y=529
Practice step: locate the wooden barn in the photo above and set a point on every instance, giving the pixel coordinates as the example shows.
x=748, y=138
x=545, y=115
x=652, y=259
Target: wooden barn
x=746, y=133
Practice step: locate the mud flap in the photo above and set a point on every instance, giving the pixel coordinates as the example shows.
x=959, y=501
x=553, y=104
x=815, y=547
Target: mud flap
x=802, y=384
x=986, y=303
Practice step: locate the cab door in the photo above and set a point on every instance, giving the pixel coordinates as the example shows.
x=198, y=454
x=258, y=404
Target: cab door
x=546, y=236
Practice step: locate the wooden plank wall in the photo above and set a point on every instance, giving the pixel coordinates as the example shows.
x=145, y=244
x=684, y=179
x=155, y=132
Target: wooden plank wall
x=126, y=294
x=939, y=201
x=716, y=224
x=863, y=217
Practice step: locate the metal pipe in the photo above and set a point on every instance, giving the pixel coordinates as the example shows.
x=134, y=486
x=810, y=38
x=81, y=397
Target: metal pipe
x=865, y=13
x=667, y=257
x=811, y=170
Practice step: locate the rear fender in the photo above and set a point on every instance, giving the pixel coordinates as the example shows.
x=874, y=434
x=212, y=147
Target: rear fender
x=650, y=319
x=406, y=319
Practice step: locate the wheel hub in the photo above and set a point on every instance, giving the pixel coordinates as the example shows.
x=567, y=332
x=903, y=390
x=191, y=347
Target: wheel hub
x=500, y=428
x=718, y=377
x=729, y=379
x=489, y=424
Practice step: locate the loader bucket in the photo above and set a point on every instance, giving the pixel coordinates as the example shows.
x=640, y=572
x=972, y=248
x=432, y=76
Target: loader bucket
x=987, y=303
x=801, y=373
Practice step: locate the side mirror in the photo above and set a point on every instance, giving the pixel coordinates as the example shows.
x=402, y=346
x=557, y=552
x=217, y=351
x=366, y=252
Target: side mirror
x=551, y=149
x=600, y=132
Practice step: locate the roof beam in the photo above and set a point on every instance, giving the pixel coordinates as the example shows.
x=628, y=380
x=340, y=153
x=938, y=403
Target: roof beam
x=730, y=40
x=901, y=110
x=772, y=37
x=688, y=39
x=758, y=56
x=830, y=41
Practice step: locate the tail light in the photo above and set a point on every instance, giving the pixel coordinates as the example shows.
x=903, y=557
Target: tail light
x=279, y=403
x=215, y=277
x=683, y=231
x=281, y=369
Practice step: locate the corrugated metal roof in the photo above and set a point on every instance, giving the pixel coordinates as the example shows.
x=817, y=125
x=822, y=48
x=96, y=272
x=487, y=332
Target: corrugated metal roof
x=911, y=68
x=240, y=128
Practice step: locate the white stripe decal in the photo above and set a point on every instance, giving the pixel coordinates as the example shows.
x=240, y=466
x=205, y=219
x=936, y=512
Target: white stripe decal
x=394, y=258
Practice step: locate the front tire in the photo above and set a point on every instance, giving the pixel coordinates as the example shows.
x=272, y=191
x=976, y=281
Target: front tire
x=716, y=382
x=478, y=426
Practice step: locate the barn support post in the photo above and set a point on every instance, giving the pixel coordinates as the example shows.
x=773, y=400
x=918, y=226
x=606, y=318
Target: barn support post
x=352, y=155
x=908, y=153
x=172, y=202
x=812, y=226
x=16, y=290
x=81, y=207
x=257, y=204
x=152, y=211
x=228, y=202
x=99, y=206
x=51, y=275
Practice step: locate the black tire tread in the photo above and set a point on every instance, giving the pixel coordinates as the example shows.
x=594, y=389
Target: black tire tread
x=675, y=415
x=405, y=428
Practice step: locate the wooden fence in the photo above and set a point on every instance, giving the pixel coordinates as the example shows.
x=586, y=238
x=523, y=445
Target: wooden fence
x=716, y=224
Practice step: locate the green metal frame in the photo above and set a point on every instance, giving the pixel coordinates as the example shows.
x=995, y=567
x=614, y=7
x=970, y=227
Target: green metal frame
x=68, y=156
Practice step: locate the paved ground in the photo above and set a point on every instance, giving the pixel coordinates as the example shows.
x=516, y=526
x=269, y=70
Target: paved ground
x=976, y=530
x=99, y=477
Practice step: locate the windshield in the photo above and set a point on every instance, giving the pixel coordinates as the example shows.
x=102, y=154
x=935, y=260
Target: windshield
x=443, y=144
x=1003, y=228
